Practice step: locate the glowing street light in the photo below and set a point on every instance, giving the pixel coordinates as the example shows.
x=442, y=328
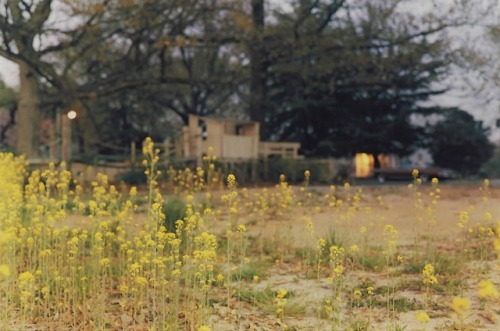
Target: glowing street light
x=72, y=114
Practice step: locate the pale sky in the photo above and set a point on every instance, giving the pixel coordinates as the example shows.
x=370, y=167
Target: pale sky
x=9, y=72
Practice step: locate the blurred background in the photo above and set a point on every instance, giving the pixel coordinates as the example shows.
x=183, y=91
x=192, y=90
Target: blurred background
x=346, y=86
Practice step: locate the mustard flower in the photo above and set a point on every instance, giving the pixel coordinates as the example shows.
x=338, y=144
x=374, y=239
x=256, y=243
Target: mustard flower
x=141, y=280
x=422, y=317
x=487, y=290
x=4, y=271
x=231, y=181
x=307, y=174
x=461, y=306
x=281, y=293
x=429, y=277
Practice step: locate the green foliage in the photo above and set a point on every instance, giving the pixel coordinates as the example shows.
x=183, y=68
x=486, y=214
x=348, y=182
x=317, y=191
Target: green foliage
x=491, y=168
x=323, y=171
x=262, y=297
x=373, y=260
x=459, y=142
x=353, y=85
x=359, y=324
x=174, y=209
x=8, y=107
x=444, y=264
x=7, y=96
x=252, y=269
x=133, y=177
x=400, y=304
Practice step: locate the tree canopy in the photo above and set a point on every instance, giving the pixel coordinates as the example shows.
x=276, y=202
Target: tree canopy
x=345, y=77
x=340, y=76
x=459, y=142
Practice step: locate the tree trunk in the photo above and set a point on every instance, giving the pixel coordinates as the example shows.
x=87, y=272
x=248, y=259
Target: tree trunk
x=28, y=113
x=258, y=68
x=86, y=130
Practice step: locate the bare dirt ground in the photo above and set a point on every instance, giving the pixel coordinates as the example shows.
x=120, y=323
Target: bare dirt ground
x=378, y=206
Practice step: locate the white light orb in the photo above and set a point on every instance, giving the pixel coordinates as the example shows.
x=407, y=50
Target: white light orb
x=72, y=114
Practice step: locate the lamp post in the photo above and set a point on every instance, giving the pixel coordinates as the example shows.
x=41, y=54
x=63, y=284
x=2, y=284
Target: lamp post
x=66, y=136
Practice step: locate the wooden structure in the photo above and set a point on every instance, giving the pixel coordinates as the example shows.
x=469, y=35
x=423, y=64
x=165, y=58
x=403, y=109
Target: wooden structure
x=229, y=139
x=285, y=150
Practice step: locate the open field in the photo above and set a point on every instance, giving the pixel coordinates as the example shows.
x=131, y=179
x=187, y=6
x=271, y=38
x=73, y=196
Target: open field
x=183, y=255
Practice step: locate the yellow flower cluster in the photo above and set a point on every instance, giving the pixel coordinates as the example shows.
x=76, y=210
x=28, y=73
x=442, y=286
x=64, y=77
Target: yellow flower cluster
x=487, y=290
x=168, y=269
x=461, y=306
x=63, y=268
x=280, y=301
x=231, y=182
x=422, y=317
x=496, y=243
x=186, y=180
x=463, y=220
x=429, y=276
x=4, y=271
x=26, y=282
x=390, y=236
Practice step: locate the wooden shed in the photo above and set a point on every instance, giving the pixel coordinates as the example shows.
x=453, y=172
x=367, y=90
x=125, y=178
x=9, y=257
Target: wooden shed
x=229, y=139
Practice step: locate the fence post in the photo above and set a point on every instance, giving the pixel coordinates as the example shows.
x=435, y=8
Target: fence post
x=133, y=153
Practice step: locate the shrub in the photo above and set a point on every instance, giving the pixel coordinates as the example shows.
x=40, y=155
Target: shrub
x=133, y=177
x=174, y=209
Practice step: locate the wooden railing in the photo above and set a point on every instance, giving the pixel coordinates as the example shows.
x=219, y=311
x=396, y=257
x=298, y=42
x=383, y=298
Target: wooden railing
x=285, y=150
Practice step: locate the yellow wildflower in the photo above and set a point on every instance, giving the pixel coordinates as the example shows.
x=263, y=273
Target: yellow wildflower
x=422, y=317
x=4, y=271
x=281, y=293
x=141, y=280
x=231, y=181
x=104, y=262
x=429, y=277
x=487, y=290
x=307, y=174
x=461, y=306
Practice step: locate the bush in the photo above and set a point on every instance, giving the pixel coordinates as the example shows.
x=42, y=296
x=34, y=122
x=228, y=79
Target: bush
x=133, y=177
x=491, y=169
x=323, y=171
x=174, y=209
